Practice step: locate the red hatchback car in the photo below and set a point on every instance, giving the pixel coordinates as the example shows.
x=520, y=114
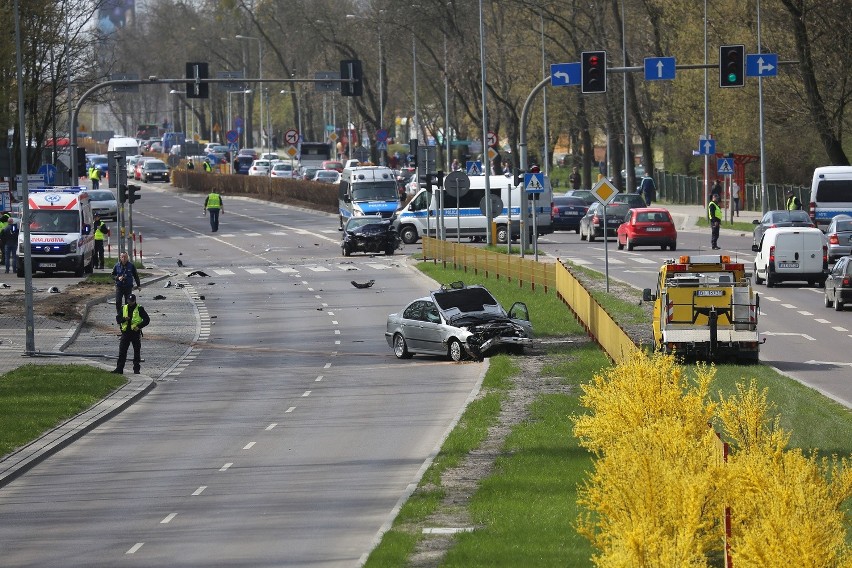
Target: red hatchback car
x=647, y=227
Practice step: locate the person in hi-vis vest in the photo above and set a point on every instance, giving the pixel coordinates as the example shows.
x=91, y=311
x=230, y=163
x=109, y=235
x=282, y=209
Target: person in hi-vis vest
x=214, y=205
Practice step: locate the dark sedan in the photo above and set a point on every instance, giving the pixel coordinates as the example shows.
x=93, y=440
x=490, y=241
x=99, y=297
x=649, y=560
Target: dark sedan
x=838, y=285
x=780, y=218
x=592, y=225
x=585, y=194
x=567, y=212
x=371, y=234
x=839, y=235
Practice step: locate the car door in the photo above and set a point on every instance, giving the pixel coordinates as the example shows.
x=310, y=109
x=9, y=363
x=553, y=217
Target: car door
x=421, y=327
x=520, y=314
x=835, y=275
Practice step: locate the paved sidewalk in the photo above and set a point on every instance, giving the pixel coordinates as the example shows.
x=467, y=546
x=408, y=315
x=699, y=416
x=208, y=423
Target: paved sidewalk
x=179, y=322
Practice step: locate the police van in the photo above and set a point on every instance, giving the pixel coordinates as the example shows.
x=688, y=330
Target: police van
x=831, y=194
x=367, y=190
x=463, y=211
x=61, y=237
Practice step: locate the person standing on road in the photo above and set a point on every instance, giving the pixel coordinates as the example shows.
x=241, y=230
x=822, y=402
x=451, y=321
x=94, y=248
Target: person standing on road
x=792, y=203
x=124, y=274
x=4, y=221
x=735, y=194
x=714, y=215
x=131, y=320
x=190, y=165
x=101, y=231
x=575, y=179
x=95, y=176
x=214, y=205
x=716, y=189
x=9, y=240
x=648, y=189
x=207, y=167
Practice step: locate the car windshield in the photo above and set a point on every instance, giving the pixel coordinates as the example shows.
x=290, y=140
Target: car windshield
x=375, y=191
x=158, y=166
x=569, y=201
x=327, y=174
x=652, y=217
x=358, y=222
x=842, y=226
x=54, y=221
x=101, y=196
x=99, y=159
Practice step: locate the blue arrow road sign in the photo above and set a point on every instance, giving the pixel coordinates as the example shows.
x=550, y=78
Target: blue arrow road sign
x=706, y=147
x=473, y=168
x=725, y=166
x=534, y=183
x=659, y=68
x=761, y=64
x=564, y=74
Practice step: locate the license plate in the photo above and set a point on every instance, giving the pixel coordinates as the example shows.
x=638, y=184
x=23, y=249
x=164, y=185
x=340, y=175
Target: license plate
x=710, y=293
x=47, y=264
x=788, y=265
x=654, y=229
x=569, y=213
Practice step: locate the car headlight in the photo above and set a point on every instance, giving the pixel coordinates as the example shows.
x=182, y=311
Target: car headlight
x=72, y=246
x=357, y=213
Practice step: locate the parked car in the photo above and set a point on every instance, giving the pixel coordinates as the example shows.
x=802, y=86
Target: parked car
x=326, y=176
x=332, y=165
x=647, y=227
x=131, y=163
x=271, y=156
x=249, y=152
x=838, y=284
x=631, y=199
x=153, y=145
x=137, y=168
x=458, y=321
x=259, y=168
x=370, y=234
x=584, y=194
x=103, y=203
x=839, y=236
x=281, y=170
x=307, y=173
x=780, y=218
x=592, y=224
x=567, y=212
x=154, y=170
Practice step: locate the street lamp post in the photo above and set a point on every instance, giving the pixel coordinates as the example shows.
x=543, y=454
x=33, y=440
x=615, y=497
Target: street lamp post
x=259, y=76
x=381, y=60
x=230, y=120
x=191, y=109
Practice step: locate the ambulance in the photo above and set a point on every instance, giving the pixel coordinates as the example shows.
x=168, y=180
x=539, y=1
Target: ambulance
x=61, y=236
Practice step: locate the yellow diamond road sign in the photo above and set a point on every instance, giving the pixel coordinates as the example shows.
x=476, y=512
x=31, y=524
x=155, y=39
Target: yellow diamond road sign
x=332, y=136
x=291, y=151
x=491, y=153
x=604, y=191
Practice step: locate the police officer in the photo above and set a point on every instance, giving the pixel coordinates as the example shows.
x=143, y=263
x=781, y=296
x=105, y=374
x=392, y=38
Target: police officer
x=101, y=231
x=214, y=205
x=792, y=203
x=207, y=167
x=95, y=176
x=131, y=320
x=714, y=215
x=124, y=274
x=4, y=222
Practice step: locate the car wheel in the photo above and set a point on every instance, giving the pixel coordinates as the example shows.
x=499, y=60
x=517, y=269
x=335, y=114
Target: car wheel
x=770, y=282
x=578, y=230
x=620, y=246
x=20, y=268
x=673, y=245
x=389, y=250
x=455, y=350
x=400, y=349
x=582, y=234
x=757, y=279
x=502, y=234
x=838, y=305
x=826, y=302
x=591, y=234
x=340, y=228
x=629, y=244
x=662, y=247
x=408, y=234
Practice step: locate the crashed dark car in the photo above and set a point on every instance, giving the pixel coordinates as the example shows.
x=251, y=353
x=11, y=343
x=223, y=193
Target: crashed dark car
x=370, y=234
x=458, y=322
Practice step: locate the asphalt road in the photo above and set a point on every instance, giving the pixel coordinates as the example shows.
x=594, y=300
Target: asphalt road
x=804, y=339
x=287, y=439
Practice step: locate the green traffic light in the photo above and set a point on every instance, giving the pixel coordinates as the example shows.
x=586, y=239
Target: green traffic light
x=732, y=77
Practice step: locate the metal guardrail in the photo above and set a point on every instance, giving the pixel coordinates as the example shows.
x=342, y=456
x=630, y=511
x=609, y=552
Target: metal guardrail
x=689, y=190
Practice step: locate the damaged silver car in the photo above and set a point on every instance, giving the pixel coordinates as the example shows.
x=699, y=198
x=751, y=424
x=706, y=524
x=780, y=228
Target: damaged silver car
x=458, y=321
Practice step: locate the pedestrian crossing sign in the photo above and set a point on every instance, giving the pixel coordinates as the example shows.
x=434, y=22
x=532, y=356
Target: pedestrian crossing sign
x=534, y=183
x=725, y=166
x=474, y=168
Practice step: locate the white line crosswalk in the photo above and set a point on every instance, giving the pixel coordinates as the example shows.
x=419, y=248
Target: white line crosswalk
x=292, y=269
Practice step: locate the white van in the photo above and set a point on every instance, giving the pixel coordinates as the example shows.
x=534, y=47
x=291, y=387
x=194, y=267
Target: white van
x=791, y=253
x=367, y=190
x=130, y=146
x=61, y=237
x=464, y=216
x=831, y=194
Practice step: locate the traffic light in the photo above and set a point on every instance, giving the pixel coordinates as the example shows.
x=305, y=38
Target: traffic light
x=412, y=149
x=518, y=177
x=731, y=66
x=81, y=162
x=351, y=78
x=195, y=89
x=593, y=71
x=132, y=194
x=439, y=178
x=122, y=194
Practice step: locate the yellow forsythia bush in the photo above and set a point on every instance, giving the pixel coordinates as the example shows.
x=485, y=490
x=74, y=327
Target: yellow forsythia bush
x=658, y=489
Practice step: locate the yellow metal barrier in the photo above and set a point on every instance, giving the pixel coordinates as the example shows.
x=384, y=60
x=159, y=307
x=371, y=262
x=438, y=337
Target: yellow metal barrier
x=547, y=275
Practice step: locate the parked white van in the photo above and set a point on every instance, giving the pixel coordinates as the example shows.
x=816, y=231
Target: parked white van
x=130, y=146
x=464, y=216
x=831, y=194
x=367, y=190
x=791, y=253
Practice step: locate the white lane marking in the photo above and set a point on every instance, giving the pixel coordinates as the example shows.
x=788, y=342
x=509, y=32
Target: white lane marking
x=642, y=260
x=200, y=490
x=805, y=335
x=318, y=379
x=611, y=260
x=278, y=234
x=324, y=305
x=334, y=322
x=790, y=306
x=306, y=393
x=377, y=266
x=336, y=332
x=327, y=366
x=805, y=313
x=311, y=290
x=337, y=342
x=304, y=282
x=223, y=271
x=318, y=268
x=812, y=362
x=330, y=313
x=226, y=467
x=168, y=518
x=249, y=446
x=134, y=548
x=255, y=271
x=285, y=269
x=838, y=328
x=289, y=410
x=252, y=234
x=820, y=320
x=771, y=298
x=271, y=426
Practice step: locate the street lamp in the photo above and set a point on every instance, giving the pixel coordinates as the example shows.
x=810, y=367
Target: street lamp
x=191, y=108
x=381, y=60
x=245, y=92
x=298, y=106
x=259, y=76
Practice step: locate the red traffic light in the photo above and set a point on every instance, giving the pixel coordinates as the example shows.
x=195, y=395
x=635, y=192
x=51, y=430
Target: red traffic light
x=593, y=71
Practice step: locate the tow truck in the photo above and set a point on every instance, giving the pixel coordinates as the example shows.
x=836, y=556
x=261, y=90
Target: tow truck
x=705, y=308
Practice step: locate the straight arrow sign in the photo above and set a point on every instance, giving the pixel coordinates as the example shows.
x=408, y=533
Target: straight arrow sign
x=660, y=68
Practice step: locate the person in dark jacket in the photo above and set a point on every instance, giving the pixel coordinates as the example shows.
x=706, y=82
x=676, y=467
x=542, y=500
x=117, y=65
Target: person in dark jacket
x=131, y=320
x=124, y=274
x=648, y=189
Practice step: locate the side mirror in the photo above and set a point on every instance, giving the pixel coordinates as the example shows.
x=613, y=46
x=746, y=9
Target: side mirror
x=755, y=248
x=755, y=222
x=647, y=296
x=347, y=199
